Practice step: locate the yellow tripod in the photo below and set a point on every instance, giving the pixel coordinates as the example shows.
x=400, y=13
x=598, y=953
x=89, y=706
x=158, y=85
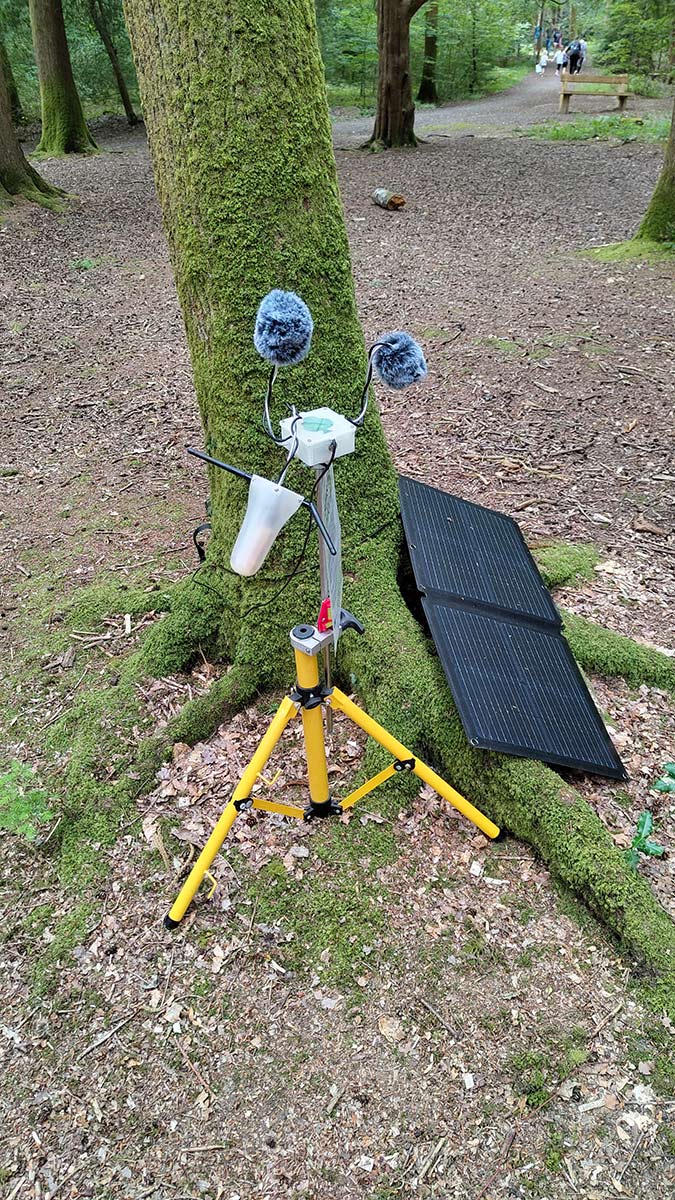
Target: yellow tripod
x=307, y=698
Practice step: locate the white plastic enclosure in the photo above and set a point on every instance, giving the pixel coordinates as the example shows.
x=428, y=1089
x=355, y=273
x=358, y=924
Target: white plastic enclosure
x=269, y=507
x=315, y=433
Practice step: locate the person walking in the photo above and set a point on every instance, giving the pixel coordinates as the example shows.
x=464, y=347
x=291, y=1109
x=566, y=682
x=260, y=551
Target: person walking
x=574, y=54
x=560, y=60
x=584, y=50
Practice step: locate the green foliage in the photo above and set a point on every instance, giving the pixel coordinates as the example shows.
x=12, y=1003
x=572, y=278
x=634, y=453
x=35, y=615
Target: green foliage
x=641, y=843
x=23, y=806
x=634, y=35
x=667, y=783
x=585, y=129
x=479, y=41
x=91, y=65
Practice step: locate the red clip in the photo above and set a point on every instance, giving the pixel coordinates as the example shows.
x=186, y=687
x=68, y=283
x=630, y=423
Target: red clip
x=325, y=620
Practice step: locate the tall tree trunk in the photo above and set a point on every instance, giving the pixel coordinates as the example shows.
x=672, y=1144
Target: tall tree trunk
x=98, y=17
x=64, y=129
x=428, y=91
x=251, y=202
x=235, y=108
x=10, y=82
x=658, y=223
x=395, y=118
x=540, y=36
x=17, y=177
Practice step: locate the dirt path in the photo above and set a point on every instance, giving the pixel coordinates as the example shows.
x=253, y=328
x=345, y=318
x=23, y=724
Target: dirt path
x=391, y=1009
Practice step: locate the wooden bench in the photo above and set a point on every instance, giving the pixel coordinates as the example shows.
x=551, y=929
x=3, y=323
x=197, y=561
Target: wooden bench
x=585, y=85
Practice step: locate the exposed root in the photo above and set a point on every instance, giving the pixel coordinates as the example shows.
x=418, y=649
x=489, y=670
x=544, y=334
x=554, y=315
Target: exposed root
x=608, y=653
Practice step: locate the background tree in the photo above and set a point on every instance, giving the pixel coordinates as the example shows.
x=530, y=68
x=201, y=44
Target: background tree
x=64, y=129
x=100, y=20
x=658, y=224
x=395, y=116
x=17, y=177
x=251, y=204
x=10, y=83
x=428, y=91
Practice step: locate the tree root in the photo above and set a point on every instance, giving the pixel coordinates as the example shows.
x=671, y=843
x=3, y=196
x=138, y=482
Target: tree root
x=608, y=653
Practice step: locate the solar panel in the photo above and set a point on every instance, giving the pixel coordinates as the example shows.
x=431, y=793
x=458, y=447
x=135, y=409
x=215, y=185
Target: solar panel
x=499, y=637
x=519, y=690
x=464, y=550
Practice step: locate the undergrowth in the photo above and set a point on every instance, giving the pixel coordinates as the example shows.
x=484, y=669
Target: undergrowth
x=602, y=128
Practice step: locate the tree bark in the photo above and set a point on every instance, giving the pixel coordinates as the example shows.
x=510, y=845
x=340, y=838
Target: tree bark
x=395, y=117
x=98, y=18
x=14, y=99
x=64, y=129
x=17, y=177
x=658, y=224
x=235, y=109
x=428, y=91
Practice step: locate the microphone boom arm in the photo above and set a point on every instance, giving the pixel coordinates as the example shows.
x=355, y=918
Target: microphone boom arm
x=216, y=462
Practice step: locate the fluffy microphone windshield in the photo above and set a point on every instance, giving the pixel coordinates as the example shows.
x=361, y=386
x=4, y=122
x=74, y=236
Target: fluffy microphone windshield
x=399, y=360
x=283, y=328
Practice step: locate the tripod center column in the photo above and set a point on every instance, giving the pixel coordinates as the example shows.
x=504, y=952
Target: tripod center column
x=307, y=669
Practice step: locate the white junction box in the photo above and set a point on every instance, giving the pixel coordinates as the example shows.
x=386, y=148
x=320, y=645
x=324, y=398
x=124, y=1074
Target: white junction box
x=315, y=433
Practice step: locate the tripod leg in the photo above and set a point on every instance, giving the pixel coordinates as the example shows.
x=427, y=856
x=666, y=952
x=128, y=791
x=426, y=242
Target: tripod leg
x=390, y=743
x=283, y=715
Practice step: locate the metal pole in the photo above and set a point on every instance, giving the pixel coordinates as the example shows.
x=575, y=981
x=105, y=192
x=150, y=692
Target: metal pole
x=323, y=575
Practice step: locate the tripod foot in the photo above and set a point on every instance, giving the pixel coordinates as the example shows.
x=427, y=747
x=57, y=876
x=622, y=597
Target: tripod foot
x=169, y=924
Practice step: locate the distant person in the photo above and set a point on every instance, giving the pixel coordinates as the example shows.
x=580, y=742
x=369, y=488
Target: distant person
x=574, y=54
x=557, y=38
x=543, y=58
x=548, y=40
x=560, y=59
x=584, y=51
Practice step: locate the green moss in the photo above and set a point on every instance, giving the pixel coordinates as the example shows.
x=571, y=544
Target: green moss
x=23, y=805
x=554, y=1152
x=643, y=249
x=339, y=914
x=531, y=1075
x=193, y=623
x=667, y=1135
x=563, y=563
x=505, y=345
x=69, y=931
x=607, y=653
x=64, y=129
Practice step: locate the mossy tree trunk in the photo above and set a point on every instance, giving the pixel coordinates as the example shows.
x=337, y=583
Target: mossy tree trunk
x=235, y=108
x=658, y=224
x=428, y=92
x=98, y=18
x=395, y=116
x=64, y=129
x=17, y=177
x=10, y=81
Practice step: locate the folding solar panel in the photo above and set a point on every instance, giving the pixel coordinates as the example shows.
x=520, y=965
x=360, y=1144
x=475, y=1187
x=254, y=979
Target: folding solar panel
x=498, y=634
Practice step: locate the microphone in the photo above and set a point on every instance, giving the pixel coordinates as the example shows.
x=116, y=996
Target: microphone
x=399, y=360
x=283, y=328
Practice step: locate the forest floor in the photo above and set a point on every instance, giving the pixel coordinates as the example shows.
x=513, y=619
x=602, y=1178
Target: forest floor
x=396, y=1008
